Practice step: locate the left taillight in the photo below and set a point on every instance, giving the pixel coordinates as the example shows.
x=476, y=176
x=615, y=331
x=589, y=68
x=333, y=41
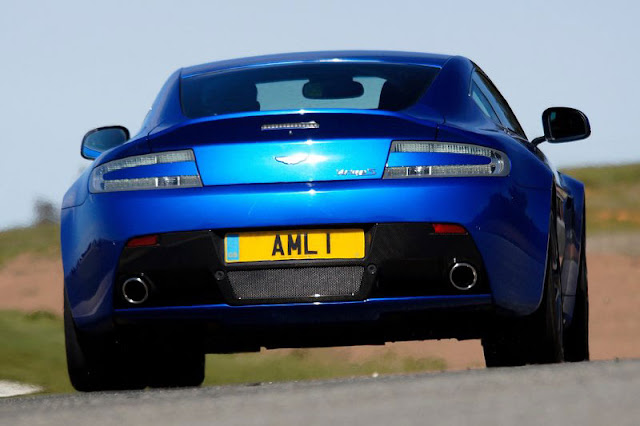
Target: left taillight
x=162, y=170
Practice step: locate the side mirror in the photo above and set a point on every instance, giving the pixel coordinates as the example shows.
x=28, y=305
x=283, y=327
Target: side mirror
x=563, y=124
x=99, y=140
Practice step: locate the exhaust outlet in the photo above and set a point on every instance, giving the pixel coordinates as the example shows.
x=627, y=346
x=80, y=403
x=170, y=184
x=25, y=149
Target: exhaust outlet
x=463, y=276
x=135, y=290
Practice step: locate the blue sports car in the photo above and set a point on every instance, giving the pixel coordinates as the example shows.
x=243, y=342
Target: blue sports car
x=316, y=199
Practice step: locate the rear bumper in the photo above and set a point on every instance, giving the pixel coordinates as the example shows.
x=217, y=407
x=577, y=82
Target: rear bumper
x=403, y=292
x=302, y=313
x=400, y=260
x=508, y=225
x=227, y=329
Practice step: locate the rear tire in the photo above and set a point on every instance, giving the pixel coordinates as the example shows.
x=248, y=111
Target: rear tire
x=576, y=336
x=537, y=338
x=98, y=362
x=177, y=369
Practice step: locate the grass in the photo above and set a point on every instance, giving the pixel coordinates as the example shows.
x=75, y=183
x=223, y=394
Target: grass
x=41, y=239
x=613, y=197
x=32, y=351
x=305, y=364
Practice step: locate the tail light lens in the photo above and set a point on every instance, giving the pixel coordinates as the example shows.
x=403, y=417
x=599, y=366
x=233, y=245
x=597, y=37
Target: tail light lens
x=414, y=159
x=163, y=170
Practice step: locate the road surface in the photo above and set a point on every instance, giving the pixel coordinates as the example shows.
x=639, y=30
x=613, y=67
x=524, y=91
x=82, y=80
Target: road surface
x=596, y=393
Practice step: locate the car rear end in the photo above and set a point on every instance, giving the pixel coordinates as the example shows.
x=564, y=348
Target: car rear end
x=258, y=226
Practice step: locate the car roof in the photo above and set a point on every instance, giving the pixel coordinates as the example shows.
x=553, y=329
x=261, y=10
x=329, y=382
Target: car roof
x=339, y=55
x=447, y=96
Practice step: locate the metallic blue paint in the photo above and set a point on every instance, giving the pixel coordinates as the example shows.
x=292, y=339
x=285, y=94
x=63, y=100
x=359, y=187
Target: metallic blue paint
x=301, y=313
x=89, y=153
x=319, y=160
x=301, y=57
x=245, y=187
x=512, y=243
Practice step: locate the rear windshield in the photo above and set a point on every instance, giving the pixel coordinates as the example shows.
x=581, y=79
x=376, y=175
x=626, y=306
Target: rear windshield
x=390, y=87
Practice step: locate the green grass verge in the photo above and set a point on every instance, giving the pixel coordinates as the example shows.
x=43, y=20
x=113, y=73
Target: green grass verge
x=40, y=239
x=32, y=351
x=613, y=197
x=305, y=364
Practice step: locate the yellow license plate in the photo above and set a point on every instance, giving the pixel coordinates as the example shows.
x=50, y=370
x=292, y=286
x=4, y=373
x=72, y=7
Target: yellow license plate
x=294, y=244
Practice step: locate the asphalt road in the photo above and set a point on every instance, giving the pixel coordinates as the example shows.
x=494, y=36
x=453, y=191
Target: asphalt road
x=597, y=393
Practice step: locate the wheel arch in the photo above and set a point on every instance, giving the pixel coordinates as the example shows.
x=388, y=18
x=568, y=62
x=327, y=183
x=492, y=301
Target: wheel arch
x=575, y=242
x=577, y=192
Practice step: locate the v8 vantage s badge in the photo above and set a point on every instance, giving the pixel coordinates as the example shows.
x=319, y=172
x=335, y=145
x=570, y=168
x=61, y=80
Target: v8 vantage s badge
x=356, y=172
x=300, y=158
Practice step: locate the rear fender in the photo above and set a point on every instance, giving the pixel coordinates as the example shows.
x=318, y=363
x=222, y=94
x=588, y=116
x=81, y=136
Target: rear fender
x=575, y=225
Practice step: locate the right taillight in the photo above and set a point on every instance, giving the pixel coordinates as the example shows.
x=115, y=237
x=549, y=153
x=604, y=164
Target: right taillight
x=416, y=159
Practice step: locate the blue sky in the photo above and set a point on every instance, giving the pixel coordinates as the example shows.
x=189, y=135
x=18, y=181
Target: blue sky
x=69, y=66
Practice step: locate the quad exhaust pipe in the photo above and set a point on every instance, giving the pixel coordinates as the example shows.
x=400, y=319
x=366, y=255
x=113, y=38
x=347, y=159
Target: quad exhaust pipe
x=463, y=276
x=135, y=290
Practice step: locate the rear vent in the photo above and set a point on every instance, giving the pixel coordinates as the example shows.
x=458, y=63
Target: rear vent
x=296, y=284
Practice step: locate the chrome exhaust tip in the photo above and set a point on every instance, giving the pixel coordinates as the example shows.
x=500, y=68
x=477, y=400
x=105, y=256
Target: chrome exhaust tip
x=135, y=290
x=463, y=276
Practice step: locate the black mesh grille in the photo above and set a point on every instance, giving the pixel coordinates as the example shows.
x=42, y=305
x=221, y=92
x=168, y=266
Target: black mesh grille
x=296, y=283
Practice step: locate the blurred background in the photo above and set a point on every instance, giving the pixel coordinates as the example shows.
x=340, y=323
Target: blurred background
x=69, y=66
